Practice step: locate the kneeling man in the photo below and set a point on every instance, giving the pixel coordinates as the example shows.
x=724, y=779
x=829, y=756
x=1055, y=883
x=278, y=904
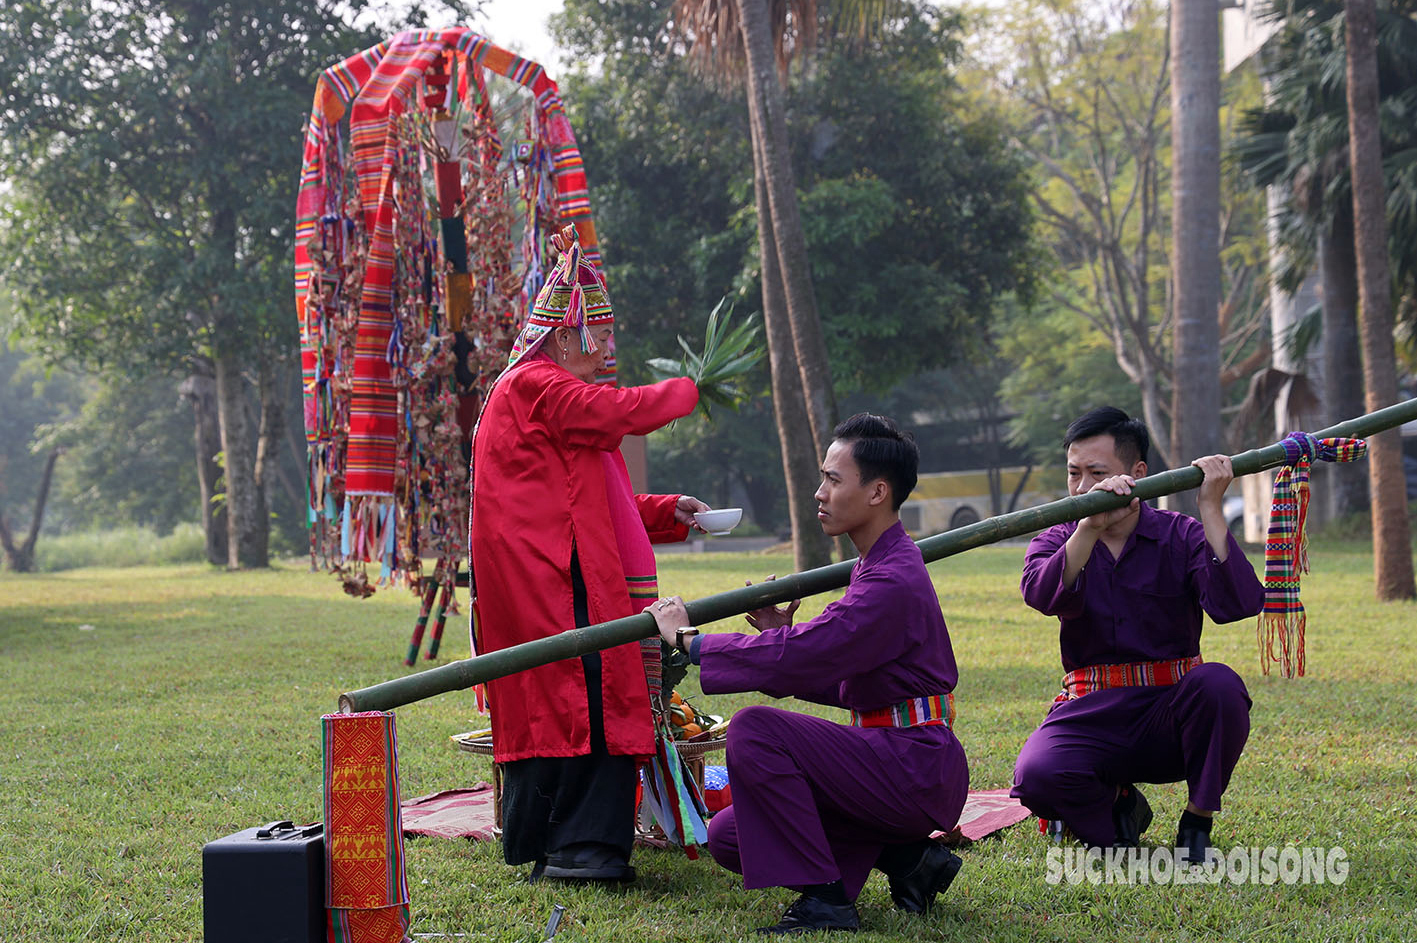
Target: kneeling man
x=816, y=804
x=1138, y=704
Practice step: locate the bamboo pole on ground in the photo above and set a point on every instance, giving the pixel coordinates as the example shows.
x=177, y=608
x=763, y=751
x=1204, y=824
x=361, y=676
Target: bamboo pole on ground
x=576, y=642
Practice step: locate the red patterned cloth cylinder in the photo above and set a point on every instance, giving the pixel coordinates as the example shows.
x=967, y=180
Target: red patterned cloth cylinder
x=366, y=887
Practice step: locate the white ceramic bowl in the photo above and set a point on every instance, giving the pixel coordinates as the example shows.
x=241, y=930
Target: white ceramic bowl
x=719, y=522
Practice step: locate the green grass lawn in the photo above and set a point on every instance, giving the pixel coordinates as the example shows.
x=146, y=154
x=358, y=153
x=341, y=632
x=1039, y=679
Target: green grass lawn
x=151, y=710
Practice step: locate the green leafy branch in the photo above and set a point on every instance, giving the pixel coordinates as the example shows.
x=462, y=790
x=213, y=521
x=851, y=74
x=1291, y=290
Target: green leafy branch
x=730, y=351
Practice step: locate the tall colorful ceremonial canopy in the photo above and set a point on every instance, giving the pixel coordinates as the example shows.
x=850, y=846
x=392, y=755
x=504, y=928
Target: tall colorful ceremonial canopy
x=421, y=241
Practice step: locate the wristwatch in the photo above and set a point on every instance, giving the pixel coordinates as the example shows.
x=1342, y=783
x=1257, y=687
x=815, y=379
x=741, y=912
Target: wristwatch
x=681, y=637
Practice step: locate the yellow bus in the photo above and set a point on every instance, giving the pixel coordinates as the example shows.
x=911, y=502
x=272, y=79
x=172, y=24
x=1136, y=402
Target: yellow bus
x=943, y=501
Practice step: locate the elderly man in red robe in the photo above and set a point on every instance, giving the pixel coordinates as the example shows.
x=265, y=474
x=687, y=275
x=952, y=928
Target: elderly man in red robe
x=558, y=539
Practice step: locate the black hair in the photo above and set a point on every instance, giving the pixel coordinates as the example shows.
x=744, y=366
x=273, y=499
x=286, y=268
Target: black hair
x=1131, y=441
x=881, y=449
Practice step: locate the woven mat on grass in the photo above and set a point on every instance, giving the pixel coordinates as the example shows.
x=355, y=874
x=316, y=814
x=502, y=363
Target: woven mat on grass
x=467, y=813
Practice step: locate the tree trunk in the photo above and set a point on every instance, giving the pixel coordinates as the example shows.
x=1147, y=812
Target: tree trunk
x=1392, y=548
x=19, y=558
x=763, y=492
x=1018, y=489
x=200, y=389
x=1156, y=424
x=994, y=455
x=271, y=429
x=800, y=458
x=248, y=525
x=1347, y=487
x=1195, y=234
x=767, y=114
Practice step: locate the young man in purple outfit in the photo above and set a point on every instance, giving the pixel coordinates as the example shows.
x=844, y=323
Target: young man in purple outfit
x=1138, y=704
x=817, y=805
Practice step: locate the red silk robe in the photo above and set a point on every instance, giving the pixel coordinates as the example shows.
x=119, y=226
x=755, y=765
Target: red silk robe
x=540, y=491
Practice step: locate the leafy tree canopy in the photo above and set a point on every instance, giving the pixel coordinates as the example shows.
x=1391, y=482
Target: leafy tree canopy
x=154, y=149
x=914, y=209
x=1300, y=137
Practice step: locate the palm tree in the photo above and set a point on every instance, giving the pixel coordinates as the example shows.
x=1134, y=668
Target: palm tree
x=1392, y=549
x=767, y=115
x=753, y=41
x=1301, y=140
x=1195, y=232
x=810, y=546
x=1299, y=143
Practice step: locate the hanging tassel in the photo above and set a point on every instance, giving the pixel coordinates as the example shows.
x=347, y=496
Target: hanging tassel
x=690, y=808
x=672, y=796
x=385, y=546
x=344, y=528
x=1286, y=555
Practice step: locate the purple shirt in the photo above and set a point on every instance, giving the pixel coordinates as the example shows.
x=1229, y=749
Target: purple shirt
x=1145, y=605
x=884, y=642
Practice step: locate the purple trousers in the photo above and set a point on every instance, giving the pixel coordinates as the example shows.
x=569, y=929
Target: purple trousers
x=1195, y=730
x=815, y=802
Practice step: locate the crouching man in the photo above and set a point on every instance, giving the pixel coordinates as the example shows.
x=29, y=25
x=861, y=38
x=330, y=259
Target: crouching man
x=816, y=804
x=1138, y=703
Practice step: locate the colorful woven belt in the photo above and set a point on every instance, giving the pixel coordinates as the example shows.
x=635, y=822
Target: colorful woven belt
x=1082, y=681
x=932, y=711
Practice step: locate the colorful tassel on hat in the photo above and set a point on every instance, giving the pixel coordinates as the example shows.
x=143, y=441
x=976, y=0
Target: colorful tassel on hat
x=1286, y=548
x=573, y=296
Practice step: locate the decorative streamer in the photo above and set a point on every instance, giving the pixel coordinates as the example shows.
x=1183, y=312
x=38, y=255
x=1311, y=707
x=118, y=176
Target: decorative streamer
x=1286, y=548
x=414, y=268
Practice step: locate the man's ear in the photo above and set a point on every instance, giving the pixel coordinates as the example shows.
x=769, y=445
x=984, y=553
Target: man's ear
x=880, y=492
x=1138, y=470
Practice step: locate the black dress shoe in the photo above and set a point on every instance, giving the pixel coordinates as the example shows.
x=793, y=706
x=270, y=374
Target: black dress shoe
x=1131, y=814
x=589, y=861
x=808, y=914
x=1195, y=842
x=914, y=891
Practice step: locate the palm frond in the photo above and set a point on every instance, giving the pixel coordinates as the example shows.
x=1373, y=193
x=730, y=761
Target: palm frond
x=712, y=31
x=729, y=353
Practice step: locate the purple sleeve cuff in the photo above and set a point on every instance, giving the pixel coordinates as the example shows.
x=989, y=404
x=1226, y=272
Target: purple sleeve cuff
x=1042, y=582
x=1231, y=591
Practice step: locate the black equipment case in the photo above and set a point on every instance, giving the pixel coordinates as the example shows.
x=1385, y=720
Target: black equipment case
x=265, y=885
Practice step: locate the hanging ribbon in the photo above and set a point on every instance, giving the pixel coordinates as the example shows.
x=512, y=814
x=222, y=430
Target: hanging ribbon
x=1286, y=553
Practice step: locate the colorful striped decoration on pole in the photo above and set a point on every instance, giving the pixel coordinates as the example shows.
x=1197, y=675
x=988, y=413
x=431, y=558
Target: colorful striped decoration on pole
x=1286, y=553
x=422, y=624
x=382, y=280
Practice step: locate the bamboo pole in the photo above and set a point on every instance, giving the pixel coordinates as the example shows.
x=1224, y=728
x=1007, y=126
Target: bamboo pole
x=575, y=642
x=439, y=619
x=421, y=624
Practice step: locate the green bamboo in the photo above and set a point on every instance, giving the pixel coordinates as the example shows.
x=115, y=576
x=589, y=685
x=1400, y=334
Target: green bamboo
x=575, y=642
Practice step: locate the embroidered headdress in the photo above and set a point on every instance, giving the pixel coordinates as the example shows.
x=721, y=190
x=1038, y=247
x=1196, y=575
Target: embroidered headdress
x=574, y=296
